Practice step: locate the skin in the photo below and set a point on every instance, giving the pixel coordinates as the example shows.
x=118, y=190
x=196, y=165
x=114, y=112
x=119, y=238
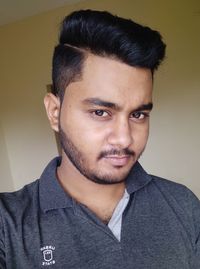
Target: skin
x=104, y=126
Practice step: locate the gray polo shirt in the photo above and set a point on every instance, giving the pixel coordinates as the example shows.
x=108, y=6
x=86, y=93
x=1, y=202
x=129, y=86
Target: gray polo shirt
x=42, y=227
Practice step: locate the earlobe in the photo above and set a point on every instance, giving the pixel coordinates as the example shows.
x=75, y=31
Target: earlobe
x=52, y=105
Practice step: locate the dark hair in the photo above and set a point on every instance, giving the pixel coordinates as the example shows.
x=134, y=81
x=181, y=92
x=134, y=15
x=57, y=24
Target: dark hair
x=103, y=34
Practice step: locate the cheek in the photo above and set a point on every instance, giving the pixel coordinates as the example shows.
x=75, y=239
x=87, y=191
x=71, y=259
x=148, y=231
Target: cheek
x=140, y=136
x=87, y=138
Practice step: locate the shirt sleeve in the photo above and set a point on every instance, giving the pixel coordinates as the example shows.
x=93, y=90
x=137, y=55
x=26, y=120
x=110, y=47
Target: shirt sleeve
x=2, y=246
x=198, y=237
x=187, y=207
x=198, y=251
x=195, y=205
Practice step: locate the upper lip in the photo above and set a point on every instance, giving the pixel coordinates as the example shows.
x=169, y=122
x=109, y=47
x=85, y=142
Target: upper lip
x=117, y=156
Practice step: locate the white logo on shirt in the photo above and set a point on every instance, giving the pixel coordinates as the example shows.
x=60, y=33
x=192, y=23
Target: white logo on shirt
x=47, y=252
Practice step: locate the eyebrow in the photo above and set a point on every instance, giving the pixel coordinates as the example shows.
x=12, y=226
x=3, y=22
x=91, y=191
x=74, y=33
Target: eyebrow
x=100, y=102
x=148, y=106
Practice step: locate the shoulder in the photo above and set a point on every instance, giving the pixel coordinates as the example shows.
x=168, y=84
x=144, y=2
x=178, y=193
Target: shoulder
x=16, y=208
x=172, y=189
x=182, y=200
x=15, y=202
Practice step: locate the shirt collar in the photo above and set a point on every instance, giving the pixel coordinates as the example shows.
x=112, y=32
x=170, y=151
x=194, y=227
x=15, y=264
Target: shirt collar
x=137, y=178
x=52, y=195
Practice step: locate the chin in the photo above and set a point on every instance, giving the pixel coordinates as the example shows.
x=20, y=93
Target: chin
x=110, y=178
x=107, y=181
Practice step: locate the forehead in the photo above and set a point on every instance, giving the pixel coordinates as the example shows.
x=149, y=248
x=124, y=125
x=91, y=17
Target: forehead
x=111, y=80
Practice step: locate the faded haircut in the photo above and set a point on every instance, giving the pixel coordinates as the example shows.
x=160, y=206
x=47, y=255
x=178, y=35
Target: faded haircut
x=106, y=35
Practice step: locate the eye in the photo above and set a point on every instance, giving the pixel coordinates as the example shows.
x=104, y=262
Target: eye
x=139, y=115
x=100, y=113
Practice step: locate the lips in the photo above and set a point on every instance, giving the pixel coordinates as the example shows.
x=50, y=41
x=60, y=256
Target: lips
x=118, y=160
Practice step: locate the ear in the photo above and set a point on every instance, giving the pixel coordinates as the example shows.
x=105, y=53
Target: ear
x=52, y=105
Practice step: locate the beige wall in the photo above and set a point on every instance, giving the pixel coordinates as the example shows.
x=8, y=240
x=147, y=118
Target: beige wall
x=26, y=141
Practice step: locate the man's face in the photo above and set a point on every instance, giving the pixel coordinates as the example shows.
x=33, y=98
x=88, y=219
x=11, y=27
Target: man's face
x=104, y=119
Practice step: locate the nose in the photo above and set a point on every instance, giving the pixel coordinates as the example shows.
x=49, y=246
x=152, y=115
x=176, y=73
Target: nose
x=121, y=134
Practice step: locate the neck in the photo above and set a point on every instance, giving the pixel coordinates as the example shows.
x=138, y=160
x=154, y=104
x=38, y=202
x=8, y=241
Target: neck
x=101, y=199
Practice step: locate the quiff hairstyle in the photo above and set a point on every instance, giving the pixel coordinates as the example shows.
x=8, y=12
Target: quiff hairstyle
x=106, y=35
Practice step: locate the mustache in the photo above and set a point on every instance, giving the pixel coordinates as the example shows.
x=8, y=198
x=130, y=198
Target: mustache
x=116, y=152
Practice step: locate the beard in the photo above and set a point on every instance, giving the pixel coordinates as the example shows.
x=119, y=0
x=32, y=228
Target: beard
x=80, y=161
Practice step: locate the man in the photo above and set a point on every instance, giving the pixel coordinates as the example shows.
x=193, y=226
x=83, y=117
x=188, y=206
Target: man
x=95, y=206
